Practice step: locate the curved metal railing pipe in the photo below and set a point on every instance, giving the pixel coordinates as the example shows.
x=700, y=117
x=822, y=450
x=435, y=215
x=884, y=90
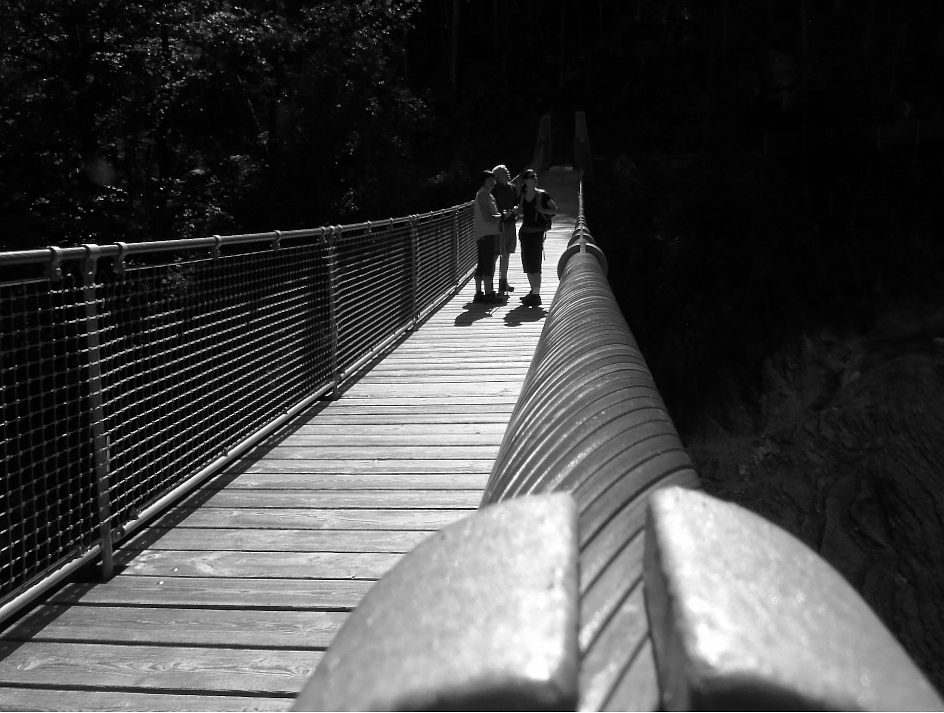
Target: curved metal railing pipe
x=590, y=421
x=646, y=595
x=589, y=399
x=685, y=602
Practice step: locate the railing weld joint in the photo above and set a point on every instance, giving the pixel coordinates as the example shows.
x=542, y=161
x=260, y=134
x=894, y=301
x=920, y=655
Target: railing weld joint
x=120, y=266
x=90, y=262
x=54, y=268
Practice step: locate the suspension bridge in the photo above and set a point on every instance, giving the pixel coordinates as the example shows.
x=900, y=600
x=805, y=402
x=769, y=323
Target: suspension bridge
x=231, y=460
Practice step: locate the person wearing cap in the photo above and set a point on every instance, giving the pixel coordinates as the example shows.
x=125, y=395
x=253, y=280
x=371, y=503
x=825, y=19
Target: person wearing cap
x=485, y=227
x=506, y=198
x=536, y=207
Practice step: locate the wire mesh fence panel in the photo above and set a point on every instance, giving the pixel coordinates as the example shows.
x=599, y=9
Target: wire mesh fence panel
x=438, y=267
x=465, y=238
x=48, y=503
x=198, y=354
x=127, y=370
x=374, y=287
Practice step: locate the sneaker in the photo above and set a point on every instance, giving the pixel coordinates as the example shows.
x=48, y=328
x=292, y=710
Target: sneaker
x=492, y=299
x=479, y=297
x=531, y=300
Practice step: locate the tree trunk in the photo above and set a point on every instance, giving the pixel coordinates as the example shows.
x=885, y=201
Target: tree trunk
x=454, y=56
x=563, y=41
x=804, y=86
x=709, y=79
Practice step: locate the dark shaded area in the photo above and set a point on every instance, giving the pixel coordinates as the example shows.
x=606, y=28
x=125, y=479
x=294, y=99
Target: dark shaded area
x=771, y=212
x=129, y=121
x=768, y=183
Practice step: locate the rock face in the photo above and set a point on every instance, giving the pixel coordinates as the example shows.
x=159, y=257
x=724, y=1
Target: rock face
x=849, y=456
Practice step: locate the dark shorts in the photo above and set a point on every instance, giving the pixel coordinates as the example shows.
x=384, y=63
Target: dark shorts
x=532, y=247
x=485, y=250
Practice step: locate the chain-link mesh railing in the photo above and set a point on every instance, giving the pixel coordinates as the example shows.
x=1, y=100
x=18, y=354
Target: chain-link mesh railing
x=129, y=371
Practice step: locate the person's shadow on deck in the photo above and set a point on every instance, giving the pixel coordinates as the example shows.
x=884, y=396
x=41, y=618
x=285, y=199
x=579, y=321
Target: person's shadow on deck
x=474, y=312
x=521, y=314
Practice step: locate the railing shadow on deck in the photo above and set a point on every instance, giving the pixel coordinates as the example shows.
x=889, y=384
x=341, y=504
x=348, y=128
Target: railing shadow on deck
x=678, y=601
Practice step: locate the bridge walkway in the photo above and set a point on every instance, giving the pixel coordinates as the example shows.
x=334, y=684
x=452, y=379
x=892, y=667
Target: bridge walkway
x=228, y=601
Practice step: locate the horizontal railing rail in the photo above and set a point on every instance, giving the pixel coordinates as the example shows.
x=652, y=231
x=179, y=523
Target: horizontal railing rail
x=131, y=372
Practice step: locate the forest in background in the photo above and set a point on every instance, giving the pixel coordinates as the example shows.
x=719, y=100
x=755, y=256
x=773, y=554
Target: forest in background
x=741, y=192
x=134, y=120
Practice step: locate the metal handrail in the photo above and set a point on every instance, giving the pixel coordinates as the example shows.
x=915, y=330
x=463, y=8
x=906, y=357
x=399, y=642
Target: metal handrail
x=132, y=372
x=684, y=602
x=731, y=611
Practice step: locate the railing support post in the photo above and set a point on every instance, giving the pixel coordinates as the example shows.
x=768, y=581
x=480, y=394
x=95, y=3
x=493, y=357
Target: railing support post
x=455, y=248
x=333, y=334
x=100, y=444
x=415, y=271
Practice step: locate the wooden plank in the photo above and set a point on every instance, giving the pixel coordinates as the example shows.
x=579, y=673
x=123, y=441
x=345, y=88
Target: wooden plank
x=443, y=403
x=37, y=699
x=233, y=592
x=433, y=362
x=441, y=379
x=444, y=328
x=299, y=565
x=445, y=362
x=217, y=540
x=476, y=389
x=354, y=428
x=171, y=668
x=381, y=481
x=434, y=330
x=351, y=499
x=446, y=442
x=178, y=627
x=446, y=334
x=294, y=518
x=373, y=466
x=380, y=415
x=382, y=452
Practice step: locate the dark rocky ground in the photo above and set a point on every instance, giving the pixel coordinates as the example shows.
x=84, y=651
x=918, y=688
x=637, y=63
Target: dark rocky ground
x=844, y=448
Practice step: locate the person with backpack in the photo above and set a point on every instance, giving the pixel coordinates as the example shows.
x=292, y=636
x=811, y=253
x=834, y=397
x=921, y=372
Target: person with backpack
x=536, y=208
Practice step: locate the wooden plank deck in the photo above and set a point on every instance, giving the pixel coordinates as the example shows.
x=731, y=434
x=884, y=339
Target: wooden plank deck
x=229, y=600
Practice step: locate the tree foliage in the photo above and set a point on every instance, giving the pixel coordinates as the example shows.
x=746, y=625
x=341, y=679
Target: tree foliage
x=748, y=199
x=129, y=120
